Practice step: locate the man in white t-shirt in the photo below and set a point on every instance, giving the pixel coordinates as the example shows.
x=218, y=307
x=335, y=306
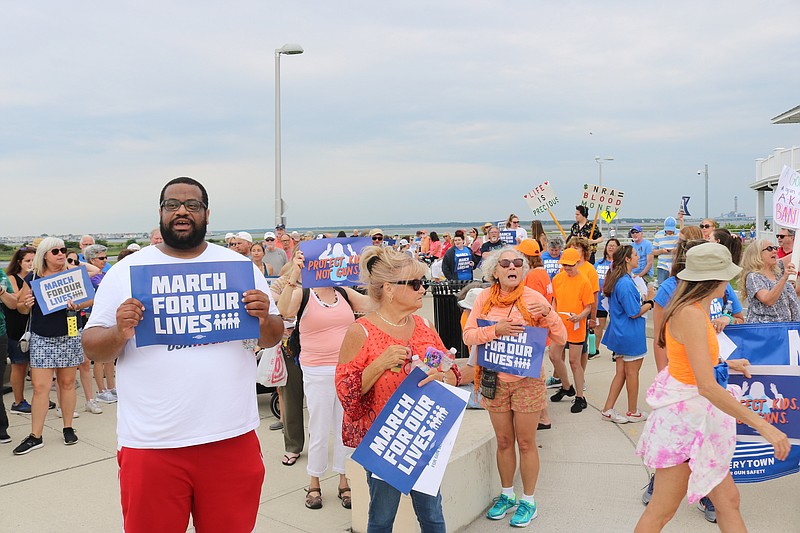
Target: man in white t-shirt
x=187, y=414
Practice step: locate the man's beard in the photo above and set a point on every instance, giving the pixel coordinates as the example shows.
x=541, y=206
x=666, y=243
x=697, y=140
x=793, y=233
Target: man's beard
x=187, y=242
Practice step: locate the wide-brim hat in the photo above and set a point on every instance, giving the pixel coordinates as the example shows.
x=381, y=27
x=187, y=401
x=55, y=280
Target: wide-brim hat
x=707, y=262
x=469, y=300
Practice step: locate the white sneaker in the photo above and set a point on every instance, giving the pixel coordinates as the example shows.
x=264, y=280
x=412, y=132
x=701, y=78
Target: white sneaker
x=613, y=416
x=106, y=396
x=114, y=393
x=92, y=407
x=638, y=416
x=59, y=414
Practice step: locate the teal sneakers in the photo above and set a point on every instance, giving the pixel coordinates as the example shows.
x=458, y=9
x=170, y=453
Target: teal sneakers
x=525, y=513
x=501, y=506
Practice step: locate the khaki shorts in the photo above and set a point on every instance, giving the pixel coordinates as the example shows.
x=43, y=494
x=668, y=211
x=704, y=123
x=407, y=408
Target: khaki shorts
x=527, y=395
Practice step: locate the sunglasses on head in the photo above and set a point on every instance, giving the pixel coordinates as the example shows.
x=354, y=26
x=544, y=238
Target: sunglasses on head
x=505, y=263
x=770, y=249
x=706, y=226
x=415, y=284
x=56, y=251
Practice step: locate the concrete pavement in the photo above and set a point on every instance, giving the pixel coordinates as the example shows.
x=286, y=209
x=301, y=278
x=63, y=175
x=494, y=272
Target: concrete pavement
x=590, y=480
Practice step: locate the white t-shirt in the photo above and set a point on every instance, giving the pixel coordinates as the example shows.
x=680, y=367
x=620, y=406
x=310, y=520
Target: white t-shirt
x=177, y=396
x=522, y=234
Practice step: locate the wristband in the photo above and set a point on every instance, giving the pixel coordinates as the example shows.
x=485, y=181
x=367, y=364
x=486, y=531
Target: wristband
x=730, y=318
x=457, y=373
x=651, y=302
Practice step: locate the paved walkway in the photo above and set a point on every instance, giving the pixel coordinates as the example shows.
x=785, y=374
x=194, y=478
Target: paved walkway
x=590, y=479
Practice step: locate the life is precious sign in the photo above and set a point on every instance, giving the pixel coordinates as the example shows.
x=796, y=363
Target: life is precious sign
x=407, y=432
x=520, y=356
x=193, y=303
x=606, y=199
x=54, y=292
x=541, y=198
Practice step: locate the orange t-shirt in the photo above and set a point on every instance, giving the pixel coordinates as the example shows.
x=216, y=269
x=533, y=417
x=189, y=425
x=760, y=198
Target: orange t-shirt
x=573, y=294
x=679, y=367
x=538, y=280
x=587, y=269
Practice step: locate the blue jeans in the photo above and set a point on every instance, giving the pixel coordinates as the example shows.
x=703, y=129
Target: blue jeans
x=662, y=275
x=383, y=502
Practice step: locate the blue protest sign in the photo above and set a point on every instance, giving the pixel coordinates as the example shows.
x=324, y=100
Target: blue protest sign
x=508, y=236
x=54, y=292
x=408, y=431
x=332, y=262
x=773, y=350
x=520, y=356
x=193, y=303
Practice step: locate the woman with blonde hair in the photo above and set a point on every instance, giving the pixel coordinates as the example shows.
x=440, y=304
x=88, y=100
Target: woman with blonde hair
x=707, y=226
x=764, y=283
x=51, y=348
x=372, y=364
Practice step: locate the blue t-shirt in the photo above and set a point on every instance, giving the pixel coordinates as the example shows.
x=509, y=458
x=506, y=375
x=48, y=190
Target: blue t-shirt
x=602, y=267
x=643, y=249
x=551, y=264
x=625, y=335
x=462, y=260
x=667, y=289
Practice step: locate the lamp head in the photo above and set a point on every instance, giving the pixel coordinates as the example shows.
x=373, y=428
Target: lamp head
x=290, y=49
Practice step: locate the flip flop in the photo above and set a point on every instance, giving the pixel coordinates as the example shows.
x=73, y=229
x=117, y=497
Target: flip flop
x=544, y=426
x=289, y=460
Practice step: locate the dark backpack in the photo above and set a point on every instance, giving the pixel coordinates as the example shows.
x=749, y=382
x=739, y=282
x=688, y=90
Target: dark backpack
x=293, y=342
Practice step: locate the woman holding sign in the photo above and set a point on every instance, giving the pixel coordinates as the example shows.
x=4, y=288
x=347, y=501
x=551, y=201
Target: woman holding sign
x=690, y=436
x=51, y=347
x=514, y=402
x=374, y=360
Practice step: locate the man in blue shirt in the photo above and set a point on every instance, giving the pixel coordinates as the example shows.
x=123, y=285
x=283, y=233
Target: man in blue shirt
x=644, y=249
x=664, y=244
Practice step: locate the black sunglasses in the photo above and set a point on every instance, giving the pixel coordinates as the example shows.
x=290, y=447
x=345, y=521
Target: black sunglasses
x=706, y=226
x=102, y=257
x=377, y=238
x=505, y=263
x=56, y=251
x=415, y=284
x=268, y=239
x=781, y=236
x=73, y=261
x=635, y=231
x=770, y=249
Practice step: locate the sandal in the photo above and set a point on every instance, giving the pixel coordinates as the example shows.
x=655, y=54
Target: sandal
x=289, y=460
x=544, y=426
x=314, y=502
x=346, y=500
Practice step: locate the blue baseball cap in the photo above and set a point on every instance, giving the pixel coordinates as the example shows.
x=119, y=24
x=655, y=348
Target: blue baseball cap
x=670, y=224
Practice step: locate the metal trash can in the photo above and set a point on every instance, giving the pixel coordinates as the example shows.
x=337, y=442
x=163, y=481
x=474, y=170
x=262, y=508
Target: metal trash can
x=447, y=313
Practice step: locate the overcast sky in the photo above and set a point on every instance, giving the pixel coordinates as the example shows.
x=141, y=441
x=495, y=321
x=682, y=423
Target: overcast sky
x=405, y=112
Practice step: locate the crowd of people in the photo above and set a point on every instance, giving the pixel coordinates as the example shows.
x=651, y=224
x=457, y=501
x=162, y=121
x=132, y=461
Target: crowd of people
x=348, y=350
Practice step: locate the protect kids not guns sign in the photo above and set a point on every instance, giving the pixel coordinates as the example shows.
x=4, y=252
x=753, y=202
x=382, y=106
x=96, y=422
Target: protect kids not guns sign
x=193, y=303
x=407, y=432
x=54, y=293
x=520, y=356
x=332, y=262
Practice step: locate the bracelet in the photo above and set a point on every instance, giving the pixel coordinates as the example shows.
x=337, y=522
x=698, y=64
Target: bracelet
x=730, y=318
x=456, y=373
x=651, y=302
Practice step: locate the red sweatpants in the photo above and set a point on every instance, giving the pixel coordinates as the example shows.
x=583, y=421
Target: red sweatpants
x=219, y=483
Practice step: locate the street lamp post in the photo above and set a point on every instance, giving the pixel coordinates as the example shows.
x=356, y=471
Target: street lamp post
x=704, y=172
x=287, y=49
x=599, y=160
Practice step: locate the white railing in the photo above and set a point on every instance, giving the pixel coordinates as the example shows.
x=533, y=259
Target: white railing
x=771, y=166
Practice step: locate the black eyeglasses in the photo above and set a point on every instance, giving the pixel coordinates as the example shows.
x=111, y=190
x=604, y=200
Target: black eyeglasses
x=73, y=261
x=193, y=206
x=56, y=251
x=505, y=263
x=781, y=236
x=706, y=226
x=770, y=249
x=415, y=284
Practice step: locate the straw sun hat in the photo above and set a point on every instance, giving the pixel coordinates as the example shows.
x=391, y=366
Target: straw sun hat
x=709, y=261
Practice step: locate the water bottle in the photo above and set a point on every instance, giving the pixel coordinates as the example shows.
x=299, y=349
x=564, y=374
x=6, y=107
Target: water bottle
x=72, y=323
x=416, y=362
x=592, y=342
x=448, y=359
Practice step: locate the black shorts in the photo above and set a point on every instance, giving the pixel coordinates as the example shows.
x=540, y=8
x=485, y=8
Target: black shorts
x=601, y=313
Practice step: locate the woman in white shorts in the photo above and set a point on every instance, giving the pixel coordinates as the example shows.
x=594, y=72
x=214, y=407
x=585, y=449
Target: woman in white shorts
x=625, y=335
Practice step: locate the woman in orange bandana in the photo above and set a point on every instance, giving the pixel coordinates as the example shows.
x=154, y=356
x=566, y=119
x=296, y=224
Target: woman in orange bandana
x=514, y=410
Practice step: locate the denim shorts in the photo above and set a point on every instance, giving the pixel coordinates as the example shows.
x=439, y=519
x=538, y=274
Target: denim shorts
x=16, y=355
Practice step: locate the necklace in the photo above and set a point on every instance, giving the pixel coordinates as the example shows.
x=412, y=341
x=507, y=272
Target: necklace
x=392, y=323
x=326, y=304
